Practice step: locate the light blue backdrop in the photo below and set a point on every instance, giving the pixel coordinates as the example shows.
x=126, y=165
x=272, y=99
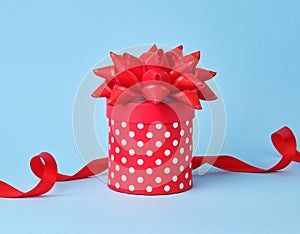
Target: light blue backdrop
x=47, y=47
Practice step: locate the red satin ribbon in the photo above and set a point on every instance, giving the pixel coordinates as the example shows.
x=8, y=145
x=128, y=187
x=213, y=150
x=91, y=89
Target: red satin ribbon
x=44, y=166
x=283, y=140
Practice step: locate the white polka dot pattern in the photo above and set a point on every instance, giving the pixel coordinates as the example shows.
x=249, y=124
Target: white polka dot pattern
x=150, y=158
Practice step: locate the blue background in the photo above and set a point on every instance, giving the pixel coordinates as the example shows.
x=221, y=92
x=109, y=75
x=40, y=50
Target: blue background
x=46, y=48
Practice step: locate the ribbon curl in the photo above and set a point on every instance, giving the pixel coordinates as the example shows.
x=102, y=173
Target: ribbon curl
x=44, y=166
x=155, y=76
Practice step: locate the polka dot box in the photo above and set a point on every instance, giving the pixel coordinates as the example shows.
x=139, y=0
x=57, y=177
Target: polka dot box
x=150, y=154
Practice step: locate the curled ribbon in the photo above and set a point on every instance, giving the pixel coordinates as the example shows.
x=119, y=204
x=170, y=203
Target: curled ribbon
x=44, y=166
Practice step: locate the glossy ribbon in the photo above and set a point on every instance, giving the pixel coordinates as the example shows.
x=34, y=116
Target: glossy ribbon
x=155, y=76
x=44, y=166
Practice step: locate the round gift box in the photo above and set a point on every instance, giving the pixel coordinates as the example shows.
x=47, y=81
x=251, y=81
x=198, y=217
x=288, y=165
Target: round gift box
x=150, y=147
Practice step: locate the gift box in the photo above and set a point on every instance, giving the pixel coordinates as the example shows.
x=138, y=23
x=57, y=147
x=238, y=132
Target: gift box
x=151, y=102
x=152, y=154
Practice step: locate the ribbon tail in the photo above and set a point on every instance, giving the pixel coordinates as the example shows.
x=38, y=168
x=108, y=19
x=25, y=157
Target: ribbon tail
x=283, y=140
x=44, y=167
x=48, y=178
x=229, y=163
x=92, y=168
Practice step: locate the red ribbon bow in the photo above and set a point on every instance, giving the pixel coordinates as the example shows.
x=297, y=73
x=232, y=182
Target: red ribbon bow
x=155, y=76
x=44, y=166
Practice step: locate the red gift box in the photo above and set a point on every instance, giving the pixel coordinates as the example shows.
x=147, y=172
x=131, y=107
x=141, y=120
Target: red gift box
x=150, y=154
x=151, y=102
